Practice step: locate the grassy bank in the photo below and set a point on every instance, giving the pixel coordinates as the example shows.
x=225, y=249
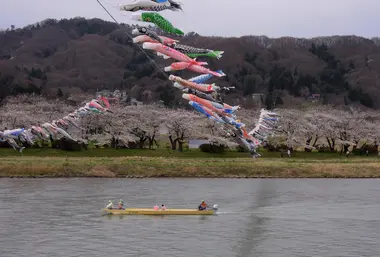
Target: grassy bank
x=232, y=167
x=193, y=153
x=111, y=152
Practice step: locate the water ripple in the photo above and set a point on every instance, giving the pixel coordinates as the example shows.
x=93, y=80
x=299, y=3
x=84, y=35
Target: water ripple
x=268, y=218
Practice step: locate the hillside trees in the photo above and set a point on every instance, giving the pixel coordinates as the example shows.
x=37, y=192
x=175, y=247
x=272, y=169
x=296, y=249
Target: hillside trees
x=78, y=55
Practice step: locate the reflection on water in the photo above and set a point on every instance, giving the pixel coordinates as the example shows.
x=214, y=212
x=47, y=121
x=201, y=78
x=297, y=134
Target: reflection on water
x=62, y=217
x=255, y=228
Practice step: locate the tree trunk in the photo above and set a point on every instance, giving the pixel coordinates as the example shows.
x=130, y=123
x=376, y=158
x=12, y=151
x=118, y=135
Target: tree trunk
x=155, y=142
x=331, y=143
x=180, y=142
x=142, y=142
x=356, y=146
x=308, y=140
x=315, y=141
x=151, y=142
x=365, y=147
x=173, y=143
x=113, y=142
x=180, y=146
x=346, y=148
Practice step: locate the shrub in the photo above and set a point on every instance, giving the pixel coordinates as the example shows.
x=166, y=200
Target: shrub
x=210, y=148
x=68, y=145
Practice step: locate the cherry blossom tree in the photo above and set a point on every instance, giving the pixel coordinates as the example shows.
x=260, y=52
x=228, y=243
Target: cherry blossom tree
x=148, y=120
x=26, y=110
x=215, y=134
x=373, y=132
x=365, y=131
x=249, y=117
x=289, y=126
x=181, y=124
x=113, y=128
x=312, y=127
x=344, y=127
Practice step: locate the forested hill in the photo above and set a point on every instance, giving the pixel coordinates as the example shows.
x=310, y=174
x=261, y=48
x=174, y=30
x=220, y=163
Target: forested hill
x=71, y=56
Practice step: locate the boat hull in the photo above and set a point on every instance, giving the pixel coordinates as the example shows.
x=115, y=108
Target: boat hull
x=142, y=211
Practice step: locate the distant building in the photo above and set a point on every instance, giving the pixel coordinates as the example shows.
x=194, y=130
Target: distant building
x=105, y=93
x=257, y=100
x=117, y=95
x=314, y=97
x=258, y=97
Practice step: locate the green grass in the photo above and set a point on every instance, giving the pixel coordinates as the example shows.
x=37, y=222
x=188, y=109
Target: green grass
x=193, y=163
x=110, y=152
x=188, y=153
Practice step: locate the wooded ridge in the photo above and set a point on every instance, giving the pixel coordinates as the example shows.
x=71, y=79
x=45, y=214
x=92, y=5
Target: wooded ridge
x=71, y=56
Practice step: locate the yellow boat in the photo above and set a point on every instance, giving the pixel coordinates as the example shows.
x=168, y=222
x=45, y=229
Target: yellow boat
x=151, y=211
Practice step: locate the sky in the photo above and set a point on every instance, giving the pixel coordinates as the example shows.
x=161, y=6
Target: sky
x=228, y=18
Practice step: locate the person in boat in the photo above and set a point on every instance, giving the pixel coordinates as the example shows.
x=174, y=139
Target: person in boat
x=120, y=206
x=163, y=208
x=203, y=206
x=109, y=205
x=156, y=208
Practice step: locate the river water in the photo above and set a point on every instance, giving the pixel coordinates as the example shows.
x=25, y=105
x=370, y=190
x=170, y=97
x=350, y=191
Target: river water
x=261, y=218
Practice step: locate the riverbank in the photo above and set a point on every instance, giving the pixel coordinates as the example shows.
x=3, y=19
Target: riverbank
x=147, y=167
x=168, y=153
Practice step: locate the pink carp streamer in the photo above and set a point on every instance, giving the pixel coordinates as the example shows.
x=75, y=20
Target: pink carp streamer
x=202, y=97
x=168, y=51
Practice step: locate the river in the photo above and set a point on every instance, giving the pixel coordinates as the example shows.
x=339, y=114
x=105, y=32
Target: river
x=261, y=218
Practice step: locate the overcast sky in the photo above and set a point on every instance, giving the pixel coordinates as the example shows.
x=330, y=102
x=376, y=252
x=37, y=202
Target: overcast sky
x=274, y=18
